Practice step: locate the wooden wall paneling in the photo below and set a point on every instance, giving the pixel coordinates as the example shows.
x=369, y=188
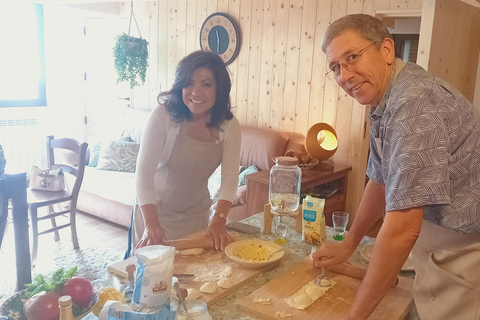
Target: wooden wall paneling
x=181, y=29
x=426, y=31
x=332, y=91
x=367, y=7
x=381, y=4
x=319, y=64
x=243, y=61
x=266, y=67
x=172, y=42
x=254, y=63
x=470, y=26
x=470, y=64
x=153, y=47
x=222, y=6
x=451, y=44
x=354, y=6
x=292, y=63
x=342, y=124
x=212, y=6
x=307, y=42
x=457, y=34
x=162, y=38
x=191, y=32
x=279, y=60
x=357, y=156
x=234, y=11
x=398, y=4
x=414, y=4
x=201, y=16
x=140, y=95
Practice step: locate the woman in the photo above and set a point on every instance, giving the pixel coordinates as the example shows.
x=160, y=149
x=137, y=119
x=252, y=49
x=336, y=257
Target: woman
x=186, y=138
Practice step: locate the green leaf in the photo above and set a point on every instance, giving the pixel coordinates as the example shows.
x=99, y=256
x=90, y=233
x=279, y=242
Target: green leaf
x=54, y=283
x=70, y=273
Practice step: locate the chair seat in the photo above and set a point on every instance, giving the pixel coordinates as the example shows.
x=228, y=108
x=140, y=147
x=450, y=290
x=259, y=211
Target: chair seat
x=45, y=197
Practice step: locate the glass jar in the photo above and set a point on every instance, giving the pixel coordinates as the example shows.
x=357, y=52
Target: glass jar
x=284, y=188
x=195, y=310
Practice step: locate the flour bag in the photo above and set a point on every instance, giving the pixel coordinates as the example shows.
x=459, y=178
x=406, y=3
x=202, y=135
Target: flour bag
x=153, y=279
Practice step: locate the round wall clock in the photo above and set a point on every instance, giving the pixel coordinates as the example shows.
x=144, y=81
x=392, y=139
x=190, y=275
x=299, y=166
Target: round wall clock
x=221, y=35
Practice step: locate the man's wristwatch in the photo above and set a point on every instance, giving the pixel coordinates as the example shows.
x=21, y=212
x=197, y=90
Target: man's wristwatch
x=221, y=216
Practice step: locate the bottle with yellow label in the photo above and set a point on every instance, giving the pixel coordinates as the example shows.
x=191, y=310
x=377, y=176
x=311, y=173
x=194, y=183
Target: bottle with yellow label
x=314, y=230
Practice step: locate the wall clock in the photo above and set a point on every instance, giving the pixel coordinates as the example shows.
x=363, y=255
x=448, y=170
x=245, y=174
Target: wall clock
x=220, y=34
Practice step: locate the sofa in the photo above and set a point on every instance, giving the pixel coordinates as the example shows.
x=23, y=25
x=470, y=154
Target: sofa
x=108, y=190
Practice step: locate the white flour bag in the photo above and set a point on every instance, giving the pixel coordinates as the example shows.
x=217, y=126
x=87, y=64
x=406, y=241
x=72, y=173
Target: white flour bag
x=153, y=279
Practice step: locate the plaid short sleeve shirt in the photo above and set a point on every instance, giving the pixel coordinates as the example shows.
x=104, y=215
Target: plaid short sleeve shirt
x=425, y=149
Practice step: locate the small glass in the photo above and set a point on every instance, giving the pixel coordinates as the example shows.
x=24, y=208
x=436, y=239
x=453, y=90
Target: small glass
x=196, y=310
x=340, y=221
x=280, y=222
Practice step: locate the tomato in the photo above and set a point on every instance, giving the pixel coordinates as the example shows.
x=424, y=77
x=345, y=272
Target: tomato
x=42, y=306
x=81, y=291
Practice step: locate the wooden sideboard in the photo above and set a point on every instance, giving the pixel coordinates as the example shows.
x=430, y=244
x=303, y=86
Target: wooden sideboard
x=258, y=184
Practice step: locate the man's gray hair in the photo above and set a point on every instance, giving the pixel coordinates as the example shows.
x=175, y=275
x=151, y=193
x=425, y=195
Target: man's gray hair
x=366, y=25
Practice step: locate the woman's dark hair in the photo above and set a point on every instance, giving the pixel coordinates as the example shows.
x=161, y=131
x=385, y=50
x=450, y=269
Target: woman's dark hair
x=186, y=67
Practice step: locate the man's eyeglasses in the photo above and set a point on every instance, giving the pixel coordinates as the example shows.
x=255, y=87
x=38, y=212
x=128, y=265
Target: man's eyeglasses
x=336, y=70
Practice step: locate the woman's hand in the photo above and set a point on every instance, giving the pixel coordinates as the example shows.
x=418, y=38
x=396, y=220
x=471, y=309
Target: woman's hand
x=331, y=254
x=218, y=232
x=152, y=235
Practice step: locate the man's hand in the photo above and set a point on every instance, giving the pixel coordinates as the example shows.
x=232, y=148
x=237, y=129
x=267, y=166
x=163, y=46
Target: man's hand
x=331, y=254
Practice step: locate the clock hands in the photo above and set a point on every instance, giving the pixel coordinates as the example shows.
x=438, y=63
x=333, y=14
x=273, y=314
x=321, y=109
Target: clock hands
x=218, y=42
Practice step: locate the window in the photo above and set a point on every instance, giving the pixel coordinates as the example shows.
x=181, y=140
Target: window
x=22, y=57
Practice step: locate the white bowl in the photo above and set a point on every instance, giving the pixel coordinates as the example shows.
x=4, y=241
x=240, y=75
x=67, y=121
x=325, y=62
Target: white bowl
x=253, y=253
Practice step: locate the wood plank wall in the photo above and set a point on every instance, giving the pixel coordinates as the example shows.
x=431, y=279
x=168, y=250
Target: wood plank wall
x=279, y=75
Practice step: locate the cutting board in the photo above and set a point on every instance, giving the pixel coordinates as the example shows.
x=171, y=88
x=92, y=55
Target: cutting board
x=336, y=301
x=210, y=265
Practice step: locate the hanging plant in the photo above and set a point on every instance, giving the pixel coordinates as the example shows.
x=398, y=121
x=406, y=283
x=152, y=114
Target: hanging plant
x=131, y=59
x=131, y=55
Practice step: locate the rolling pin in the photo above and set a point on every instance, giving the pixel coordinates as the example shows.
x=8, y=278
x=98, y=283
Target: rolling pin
x=354, y=272
x=188, y=243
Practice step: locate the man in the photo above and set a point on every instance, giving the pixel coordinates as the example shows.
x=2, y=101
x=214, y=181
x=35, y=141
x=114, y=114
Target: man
x=424, y=170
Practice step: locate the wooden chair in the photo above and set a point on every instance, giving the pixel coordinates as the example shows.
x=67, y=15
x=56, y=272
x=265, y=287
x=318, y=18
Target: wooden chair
x=70, y=155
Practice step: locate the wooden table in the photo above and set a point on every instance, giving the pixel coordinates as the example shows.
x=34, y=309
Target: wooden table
x=14, y=187
x=258, y=184
x=226, y=306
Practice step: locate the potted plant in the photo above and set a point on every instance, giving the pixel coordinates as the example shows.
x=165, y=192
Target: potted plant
x=131, y=59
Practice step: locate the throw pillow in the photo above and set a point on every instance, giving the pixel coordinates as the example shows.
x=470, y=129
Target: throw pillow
x=126, y=139
x=94, y=154
x=119, y=156
x=242, y=177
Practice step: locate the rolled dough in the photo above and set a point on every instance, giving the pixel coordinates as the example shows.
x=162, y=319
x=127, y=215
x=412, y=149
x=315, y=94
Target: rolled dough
x=191, y=252
x=307, y=295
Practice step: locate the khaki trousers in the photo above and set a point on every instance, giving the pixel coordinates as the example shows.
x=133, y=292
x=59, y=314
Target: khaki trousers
x=447, y=282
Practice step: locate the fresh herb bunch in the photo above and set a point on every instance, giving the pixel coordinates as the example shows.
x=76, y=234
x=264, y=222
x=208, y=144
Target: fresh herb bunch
x=54, y=283
x=131, y=59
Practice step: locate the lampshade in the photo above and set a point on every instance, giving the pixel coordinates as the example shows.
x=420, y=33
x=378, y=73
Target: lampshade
x=321, y=141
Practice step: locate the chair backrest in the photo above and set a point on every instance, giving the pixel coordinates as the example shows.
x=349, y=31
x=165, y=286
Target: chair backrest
x=70, y=155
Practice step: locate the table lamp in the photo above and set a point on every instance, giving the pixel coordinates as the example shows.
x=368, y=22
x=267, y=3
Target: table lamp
x=321, y=143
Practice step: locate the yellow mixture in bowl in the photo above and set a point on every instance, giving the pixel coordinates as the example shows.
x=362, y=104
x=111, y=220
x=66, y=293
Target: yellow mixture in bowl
x=253, y=252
